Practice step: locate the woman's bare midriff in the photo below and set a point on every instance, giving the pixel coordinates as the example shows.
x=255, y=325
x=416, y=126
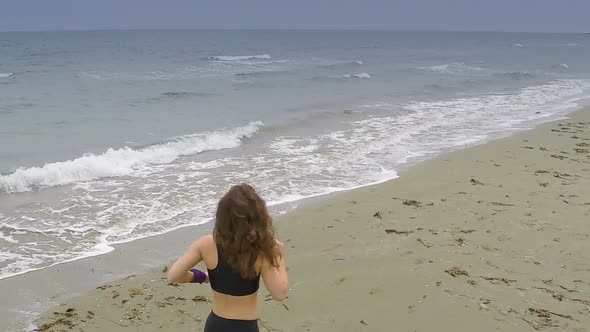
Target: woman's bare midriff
x=235, y=307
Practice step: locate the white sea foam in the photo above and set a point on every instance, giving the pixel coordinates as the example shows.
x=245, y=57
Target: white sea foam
x=121, y=162
x=561, y=66
x=377, y=105
x=6, y=75
x=361, y=75
x=344, y=77
x=19, y=264
x=518, y=45
x=8, y=239
x=455, y=67
x=285, y=169
x=502, y=110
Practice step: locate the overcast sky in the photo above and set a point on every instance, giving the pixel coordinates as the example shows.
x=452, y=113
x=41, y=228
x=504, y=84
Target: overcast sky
x=488, y=15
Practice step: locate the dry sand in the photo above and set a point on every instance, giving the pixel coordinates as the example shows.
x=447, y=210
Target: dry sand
x=491, y=238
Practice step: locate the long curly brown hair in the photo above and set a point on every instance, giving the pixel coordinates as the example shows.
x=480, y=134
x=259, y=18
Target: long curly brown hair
x=243, y=229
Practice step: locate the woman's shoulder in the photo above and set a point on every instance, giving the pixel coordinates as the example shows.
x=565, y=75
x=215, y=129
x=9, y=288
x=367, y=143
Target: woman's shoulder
x=206, y=241
x=207, y=238
x=202, y=244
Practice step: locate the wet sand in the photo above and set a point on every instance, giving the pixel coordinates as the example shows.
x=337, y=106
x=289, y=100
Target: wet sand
x=491, y=238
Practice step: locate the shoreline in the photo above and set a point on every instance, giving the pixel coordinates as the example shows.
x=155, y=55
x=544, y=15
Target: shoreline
x=393, y=174
x=95, y=270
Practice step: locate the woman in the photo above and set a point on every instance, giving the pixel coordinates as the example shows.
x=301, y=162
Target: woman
x=241, y=249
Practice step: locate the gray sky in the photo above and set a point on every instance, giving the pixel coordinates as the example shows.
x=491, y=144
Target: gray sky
x=495, y=15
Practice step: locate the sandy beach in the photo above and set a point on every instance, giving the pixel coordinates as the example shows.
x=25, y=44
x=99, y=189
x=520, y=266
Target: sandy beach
x=491, y=238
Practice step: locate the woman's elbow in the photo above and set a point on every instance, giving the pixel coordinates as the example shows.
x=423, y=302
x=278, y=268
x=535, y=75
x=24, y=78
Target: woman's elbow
x=173, y=277
x=281, y=294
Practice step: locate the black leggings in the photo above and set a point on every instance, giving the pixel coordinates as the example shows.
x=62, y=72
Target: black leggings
x=215, y=323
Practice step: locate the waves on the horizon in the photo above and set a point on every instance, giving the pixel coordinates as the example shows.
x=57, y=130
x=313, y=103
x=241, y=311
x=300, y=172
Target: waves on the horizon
x=183, y=94
x=122, y=162
x=259, y=73
x=149, y=76
x=360, y=75
x=240, y=65
x=561, y=66
x=450, y=68
x=175, y=94
x=239, y=57
x=516, y=75
x=343, y=64
x=343, y=77
x=262, y=63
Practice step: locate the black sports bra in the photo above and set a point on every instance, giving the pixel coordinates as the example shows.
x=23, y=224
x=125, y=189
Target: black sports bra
x=224, y=280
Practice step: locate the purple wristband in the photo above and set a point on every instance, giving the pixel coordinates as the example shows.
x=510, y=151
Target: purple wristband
x=198, y=276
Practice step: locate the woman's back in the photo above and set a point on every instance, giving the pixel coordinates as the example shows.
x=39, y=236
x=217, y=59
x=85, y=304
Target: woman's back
x=241, y=249
x=233, y=296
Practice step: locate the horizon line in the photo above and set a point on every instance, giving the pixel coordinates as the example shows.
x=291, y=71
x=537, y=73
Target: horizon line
x=286, y=29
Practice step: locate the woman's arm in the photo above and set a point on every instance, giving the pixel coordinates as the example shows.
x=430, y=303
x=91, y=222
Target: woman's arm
x=275, y=278
x=180, y=271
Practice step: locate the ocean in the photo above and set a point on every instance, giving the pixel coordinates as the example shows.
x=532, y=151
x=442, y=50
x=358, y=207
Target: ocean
x=112, y=136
